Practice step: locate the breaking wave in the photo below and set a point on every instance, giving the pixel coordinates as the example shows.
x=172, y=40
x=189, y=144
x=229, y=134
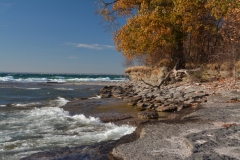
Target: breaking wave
x=60, y=79
x=35, y=130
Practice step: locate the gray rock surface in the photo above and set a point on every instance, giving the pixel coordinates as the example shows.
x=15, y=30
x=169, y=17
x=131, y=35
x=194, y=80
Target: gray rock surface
x=199, y=135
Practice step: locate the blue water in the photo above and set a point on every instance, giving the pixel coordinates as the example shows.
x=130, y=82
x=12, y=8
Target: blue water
x=32, y=118
x=61, y=78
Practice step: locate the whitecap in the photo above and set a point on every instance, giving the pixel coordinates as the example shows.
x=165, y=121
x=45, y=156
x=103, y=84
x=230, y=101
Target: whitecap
x=3, y=105
x=59, y=77
x=59, y=102
x=97, y=97
x=6, y=79
x=107, y=79
x=64, y=89
x=57, y=80
x=55, y=127
x=30, y=80
x=26, y=104
x=33, y=88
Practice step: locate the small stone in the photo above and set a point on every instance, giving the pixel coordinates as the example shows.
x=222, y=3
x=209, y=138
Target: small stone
x=131, y=103
x=105, y=95
x=180, y=107
x=234, y=98
x=166, y=103
x=186, y=105
x=150, y=106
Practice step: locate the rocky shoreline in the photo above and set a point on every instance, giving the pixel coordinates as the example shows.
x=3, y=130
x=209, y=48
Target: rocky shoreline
x=151, y=100
x=210, y=129
x=203, y=123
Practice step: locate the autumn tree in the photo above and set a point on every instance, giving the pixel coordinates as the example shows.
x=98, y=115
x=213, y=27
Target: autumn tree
x=183, y=30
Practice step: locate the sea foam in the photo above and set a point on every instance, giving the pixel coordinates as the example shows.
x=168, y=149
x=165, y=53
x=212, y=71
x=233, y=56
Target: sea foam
x=26, y=104
x=60, y=79
x=53, y=127
x=59, y=102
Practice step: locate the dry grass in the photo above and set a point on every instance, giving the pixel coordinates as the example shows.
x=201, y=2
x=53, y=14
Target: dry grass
x=238, y=65
x=213, y=66
x=138, y=69
x=190, y=66
x=165, y=63
x=155, y=72
x=227, y=66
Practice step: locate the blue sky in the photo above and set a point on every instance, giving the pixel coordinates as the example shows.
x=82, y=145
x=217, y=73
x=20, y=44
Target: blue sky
x=55, y=36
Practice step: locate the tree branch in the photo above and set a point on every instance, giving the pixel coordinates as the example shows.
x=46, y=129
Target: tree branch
x=168, y=75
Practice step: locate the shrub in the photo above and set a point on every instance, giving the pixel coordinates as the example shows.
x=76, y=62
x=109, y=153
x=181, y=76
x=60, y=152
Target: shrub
x=213, y=66
x=138, y=69
x=238, y=65
x=227, y=66
x=165, y=63
x=189, y=66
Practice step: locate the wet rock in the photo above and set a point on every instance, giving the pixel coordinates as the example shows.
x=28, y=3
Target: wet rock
x=131, y=99
x=150, y=106
x=148, y=115
x=131, y=103
x=169, y=108
x=186, y=105
x=141, y=105
x=105, y=95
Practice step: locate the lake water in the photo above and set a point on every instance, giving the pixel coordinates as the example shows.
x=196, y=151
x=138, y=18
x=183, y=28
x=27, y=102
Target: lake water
x=32, y=118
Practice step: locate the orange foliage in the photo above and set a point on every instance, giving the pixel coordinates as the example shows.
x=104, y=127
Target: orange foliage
x=176, y=29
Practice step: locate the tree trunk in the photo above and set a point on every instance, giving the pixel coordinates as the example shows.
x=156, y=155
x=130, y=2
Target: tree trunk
x=178, y=55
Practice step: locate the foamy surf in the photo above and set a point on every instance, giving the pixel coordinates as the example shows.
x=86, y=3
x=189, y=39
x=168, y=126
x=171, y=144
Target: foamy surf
x=26, y=104
x=60, y=79
x=64, y=89
x=59, y=102
x=97, y=97
x=33, y=88
x=41, y=128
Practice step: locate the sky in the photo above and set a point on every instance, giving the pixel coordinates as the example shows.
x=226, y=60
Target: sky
x=55, y=36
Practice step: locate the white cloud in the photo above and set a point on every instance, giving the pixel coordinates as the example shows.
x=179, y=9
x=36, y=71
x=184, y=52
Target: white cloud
x=90, y=46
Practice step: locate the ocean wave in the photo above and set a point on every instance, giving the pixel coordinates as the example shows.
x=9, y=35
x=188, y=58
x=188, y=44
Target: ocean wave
x=3, y=105
x=54, y=127
x=60, y=79
x=26, y=104
x=106, y=79
x=29, y=80
x=59, y=102
x=33, y=88
x=97, y=97
x=64, y=89
x=89, y=79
